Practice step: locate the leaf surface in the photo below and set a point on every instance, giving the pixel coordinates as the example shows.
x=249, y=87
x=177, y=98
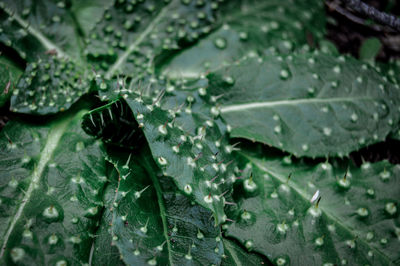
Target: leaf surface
x=307, y=104
x=35, y=27
x=185, y=135
x=50, y=85
x=9, y=74
x=249, y=26
x=52, y=178
x=355, y=222
x=131, y=34
x=236, y=255
x=154, y=223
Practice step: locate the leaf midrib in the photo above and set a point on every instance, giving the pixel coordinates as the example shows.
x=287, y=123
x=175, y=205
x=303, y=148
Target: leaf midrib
x=49, y=45
x=137, y=42
x=52, y=142
x=163, y=213
x=305, y=197
x=260, y=105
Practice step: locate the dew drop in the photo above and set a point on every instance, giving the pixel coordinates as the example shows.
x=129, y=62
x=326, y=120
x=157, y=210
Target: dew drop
x=391, y=208
x=220, y=43
x=362, y=212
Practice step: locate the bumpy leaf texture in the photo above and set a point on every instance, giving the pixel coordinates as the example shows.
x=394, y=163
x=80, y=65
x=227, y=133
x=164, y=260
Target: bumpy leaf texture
x=51, y=182
x=250, y=26
x=9, y=74
x=152, y=222
x=185, y=135
x=316, y=213
x=309, y=104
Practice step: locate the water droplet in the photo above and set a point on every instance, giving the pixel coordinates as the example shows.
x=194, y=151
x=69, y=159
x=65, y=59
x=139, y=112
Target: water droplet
x=319, y=241
x=152, y=261
x=280, y=261
x=354, y=117
x=363, y=212
x=344, y=183
x=53, y=239
x=50, y=212
x=229, y=80
x=327, y=131
x=284, y=74
x=162, y=160
x=17, y=254
x=249, y=244
x=337, y=69
x=391, y=208
x=188, y=189
x=220, y=43
x=282, y=228
x=351, y=243
x=243, y=36
x=249, y=185
x=75, y=239
x=385, y=175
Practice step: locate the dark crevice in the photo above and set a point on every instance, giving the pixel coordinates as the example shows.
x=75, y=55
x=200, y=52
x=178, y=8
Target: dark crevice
x=348, y=35
x=387, y=150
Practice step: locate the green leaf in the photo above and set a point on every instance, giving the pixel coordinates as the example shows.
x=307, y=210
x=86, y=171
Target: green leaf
x=9, y=74
x=34, y=28
x=50, y=85
x=115, y=124
x=370, y=49
x=154, y=223
x=88, y=12
x=52, y=177
x=131, y=34
x=250, y=26
x=355, y=221
x=104, y=252
x=307, y=104
x=185, y=135
x=236, y=255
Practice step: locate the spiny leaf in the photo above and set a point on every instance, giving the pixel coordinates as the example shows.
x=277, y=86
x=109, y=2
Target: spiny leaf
x=9, y=74
x=131, y=34
x=115, y=124
x=250, y=26
x=103, y=251
x=185, y=135
x=52, y=178
x=50, y=85
x=154, y=223
x=329, y=212
x=307, y=104
x=35, y=27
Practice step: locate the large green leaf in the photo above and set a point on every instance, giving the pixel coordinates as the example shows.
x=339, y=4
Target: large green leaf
x=45, y=34
x=185, y=135
x=307, y=104
x=50, y=85
x=131, y=34
x=9, y=74
x=36, y=27
x=154, y=223
x=250, y=26
x=355, y=222
x=51, y=182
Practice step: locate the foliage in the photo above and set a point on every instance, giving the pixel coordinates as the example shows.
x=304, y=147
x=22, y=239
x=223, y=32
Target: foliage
x=129, y=138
